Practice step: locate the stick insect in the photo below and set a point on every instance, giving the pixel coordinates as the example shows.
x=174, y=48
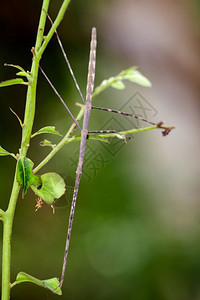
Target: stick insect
x=84, y=133
x=84, y=130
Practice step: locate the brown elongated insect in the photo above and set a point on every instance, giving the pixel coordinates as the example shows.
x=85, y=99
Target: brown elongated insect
x=84, y=133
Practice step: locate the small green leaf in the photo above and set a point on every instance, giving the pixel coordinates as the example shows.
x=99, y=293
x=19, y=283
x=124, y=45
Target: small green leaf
x=13, y=82
x=53, y=187
x=15, y=66
x=22, y=71
x=47, y=143
x=24, y=74
x=3, y=152
x=47, y=129
x=25, y=175
x=119, y=85
x=130, y=74
x=51, y=284
x=24, y=277
x=137, y=77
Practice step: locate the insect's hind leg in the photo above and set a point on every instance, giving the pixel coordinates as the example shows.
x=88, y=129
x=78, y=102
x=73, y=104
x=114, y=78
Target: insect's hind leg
x=123, y=113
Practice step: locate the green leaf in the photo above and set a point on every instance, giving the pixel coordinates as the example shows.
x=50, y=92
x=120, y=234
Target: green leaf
x=3, y=152
x=47, y=143
x=47, y=129
x=15, y=66
x=22, y=71
x=137, y=77
x=130, y=74
x=119, y=85
x=51, y=284
x=24, y=74
x=25, y=175
x=53, y=187
x=13, y=82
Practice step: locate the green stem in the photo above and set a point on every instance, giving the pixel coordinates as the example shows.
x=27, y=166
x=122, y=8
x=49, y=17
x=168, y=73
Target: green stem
x=8, y=216
x=131, y=131
x=28, y=123
x=100, y=137
x=62, y=142
x=14, y=283
x=37, y=54
x=2, y=213
x=31, y=93
x=7, y=233
x=54, y=26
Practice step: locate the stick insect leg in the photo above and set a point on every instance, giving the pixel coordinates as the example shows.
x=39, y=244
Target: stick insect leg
x=66, y=59
x=56, y=92
x=123, y=113
x=103, y=131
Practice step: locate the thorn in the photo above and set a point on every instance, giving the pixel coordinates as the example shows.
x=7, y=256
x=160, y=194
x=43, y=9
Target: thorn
x=53, y=208
x=16, y=115
x=33, y=51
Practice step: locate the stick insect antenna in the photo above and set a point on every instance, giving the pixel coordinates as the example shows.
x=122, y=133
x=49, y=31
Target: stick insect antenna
x=84, y=133
x=61, y=99
x=66, y=59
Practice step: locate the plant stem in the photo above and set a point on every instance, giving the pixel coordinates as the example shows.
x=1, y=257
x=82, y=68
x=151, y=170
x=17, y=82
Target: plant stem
x=54, y=26
x=8, y=216
x=38, y=51
x=2, y=213
x=7, y=233
x=31, y=93
x=62, y=142
x=99, y=137
x=131, y=131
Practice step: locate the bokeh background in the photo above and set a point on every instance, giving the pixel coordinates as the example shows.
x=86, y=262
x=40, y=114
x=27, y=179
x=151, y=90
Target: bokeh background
x=136, y=233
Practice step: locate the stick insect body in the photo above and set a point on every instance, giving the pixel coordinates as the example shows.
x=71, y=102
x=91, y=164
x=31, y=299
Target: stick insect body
x=84, y=134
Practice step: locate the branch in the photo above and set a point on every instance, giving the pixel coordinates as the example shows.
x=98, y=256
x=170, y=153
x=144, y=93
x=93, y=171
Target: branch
x=166, y=130
x=64, y=141
x=54, y=27
x=31, y=92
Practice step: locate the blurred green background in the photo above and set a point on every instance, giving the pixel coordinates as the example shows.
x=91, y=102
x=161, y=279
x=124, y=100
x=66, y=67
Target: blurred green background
x=136, y=233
